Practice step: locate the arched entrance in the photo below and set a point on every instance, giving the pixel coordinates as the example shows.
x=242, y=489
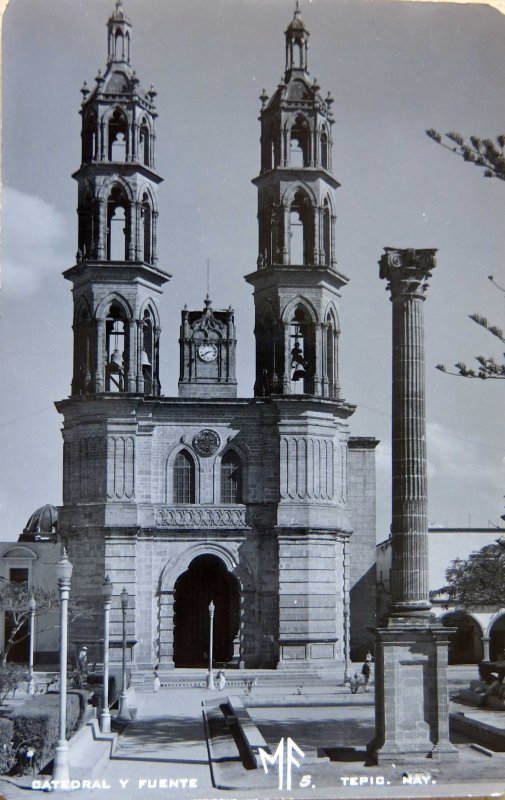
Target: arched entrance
x=206, y=579
x=497, y=636
x=465, y=645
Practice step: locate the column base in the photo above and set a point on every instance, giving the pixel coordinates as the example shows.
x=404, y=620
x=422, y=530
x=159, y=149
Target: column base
x=60, y=765
x=124, y=710
x=411, y=695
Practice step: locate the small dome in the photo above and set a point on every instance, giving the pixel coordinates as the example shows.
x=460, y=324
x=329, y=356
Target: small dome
x=296, y=23
x=118, y=13
x=43, y=520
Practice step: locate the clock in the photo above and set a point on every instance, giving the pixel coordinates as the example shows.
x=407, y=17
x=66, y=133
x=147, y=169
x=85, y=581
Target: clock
x=207, y=352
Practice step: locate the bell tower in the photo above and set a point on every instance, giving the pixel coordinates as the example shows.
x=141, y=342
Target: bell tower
x=117, y=280
x=296, y=284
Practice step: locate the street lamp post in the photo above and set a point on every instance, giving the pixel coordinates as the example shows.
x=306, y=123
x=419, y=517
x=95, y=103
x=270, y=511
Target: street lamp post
x=105, y=714
x=32, y=605
x=210, y=675
x=124, y=711
x=64, y=573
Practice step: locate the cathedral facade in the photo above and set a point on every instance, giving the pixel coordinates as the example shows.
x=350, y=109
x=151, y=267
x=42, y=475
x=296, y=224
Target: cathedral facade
x=264, y=505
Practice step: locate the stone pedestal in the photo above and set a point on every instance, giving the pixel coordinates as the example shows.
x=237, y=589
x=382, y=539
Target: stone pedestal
x=411, y=701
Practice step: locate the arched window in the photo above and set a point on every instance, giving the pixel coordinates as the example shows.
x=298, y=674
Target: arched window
x=324, y=151
x=82, y=351
x=302, y=353
x=118, y=132
x=145, y=212
x=148, y=355
x=331, y=362
x=86, y=224
x=184, y=478
x=231, y=478
x=268, y=364
x=299, y=143
x=144, y=144
x=327, y=233
x=116, y=350
x=272, y=149
x=119, y=46
x=117, y=225
x=88, y=139
x=300, y=230
x=297, y=54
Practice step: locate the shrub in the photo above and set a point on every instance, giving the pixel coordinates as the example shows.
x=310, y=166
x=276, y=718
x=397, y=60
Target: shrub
x=96, y=682
x=82, y=697
x=73, y=707
x=11, y=676
x=6, y=750
x=36, y=724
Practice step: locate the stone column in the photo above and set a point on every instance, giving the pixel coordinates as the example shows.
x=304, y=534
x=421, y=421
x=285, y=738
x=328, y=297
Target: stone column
x=101, y=239
x=99, y=357
x=286, y=378
x=485, y=646
x=154, y=243
x=411, y=697
x=407, y=273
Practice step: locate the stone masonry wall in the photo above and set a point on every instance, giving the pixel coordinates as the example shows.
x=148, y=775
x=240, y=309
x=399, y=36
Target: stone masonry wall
x=362, y=579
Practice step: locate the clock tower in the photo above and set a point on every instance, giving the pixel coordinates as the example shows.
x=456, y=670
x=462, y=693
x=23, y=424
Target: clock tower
x=207, y=347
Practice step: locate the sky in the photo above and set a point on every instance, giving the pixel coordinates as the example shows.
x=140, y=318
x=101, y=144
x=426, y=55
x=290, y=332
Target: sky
x=394, y=69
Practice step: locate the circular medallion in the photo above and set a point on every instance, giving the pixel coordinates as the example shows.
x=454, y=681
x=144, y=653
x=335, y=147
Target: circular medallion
x=207, y=351
x=206, y=442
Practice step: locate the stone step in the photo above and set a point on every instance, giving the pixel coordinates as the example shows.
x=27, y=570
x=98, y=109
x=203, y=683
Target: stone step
x=197, y=678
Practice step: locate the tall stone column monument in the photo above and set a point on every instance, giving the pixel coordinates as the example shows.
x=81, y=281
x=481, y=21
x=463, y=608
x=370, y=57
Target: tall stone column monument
x=411, y=701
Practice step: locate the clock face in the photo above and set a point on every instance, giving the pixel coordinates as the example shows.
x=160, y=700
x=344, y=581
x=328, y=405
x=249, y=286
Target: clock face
x=207, y=352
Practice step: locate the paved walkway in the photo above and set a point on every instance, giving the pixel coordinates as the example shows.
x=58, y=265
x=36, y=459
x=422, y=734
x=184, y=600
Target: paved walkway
x=163, y=753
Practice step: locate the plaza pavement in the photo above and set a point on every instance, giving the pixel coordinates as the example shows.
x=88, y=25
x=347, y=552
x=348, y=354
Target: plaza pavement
x=163, y=752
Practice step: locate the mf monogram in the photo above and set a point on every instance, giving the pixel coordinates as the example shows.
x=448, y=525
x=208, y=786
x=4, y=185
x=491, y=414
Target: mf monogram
x=285, y=758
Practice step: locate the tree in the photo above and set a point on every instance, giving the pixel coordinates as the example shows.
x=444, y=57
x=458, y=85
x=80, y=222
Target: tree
x=478, y=580
x=481, y=152
x=488, y=367
x=14, y=601
x=486, y=154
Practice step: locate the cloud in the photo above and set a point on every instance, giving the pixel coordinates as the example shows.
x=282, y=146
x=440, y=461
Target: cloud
x=34, y=243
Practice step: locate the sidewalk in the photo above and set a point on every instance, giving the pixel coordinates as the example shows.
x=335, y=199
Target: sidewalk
x=162, y=752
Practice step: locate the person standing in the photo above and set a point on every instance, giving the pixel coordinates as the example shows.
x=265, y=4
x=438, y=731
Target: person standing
x=365, y=671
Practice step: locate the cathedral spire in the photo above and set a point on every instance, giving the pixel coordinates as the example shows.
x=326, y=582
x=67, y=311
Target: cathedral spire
x=297, y=43
x=117, y=279
x=296, y=286
x=119, y=36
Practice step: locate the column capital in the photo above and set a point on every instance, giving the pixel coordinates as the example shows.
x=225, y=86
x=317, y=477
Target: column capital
x=407, y=271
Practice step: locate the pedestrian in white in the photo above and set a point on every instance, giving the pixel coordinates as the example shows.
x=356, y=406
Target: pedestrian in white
x=221, y=680
x=157, y=682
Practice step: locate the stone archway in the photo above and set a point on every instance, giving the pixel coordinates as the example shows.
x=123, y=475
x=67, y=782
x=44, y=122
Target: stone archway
x=206, y=579
x=497, y=638
x=465, y=645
